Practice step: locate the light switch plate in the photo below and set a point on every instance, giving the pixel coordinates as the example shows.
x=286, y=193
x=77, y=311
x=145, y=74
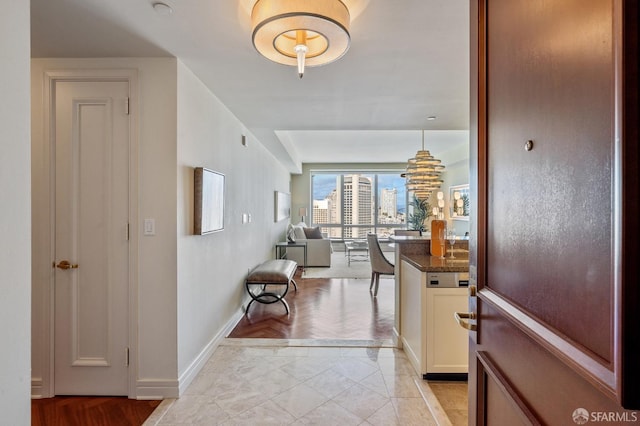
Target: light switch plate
x=149, y=227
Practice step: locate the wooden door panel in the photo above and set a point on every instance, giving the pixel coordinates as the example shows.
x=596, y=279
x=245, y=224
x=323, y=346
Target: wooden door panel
x=541, y=381
x=501, y=405
x=92, y=205
x=555, y=331
x=499, y=408
x=556, y=89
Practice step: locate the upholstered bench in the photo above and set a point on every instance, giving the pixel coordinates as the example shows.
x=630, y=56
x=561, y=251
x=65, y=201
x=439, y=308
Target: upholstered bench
x=269, y=282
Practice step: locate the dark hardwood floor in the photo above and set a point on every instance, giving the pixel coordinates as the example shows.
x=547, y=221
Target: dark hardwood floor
x=321, y=309
x=336, y=308
x=90, y=411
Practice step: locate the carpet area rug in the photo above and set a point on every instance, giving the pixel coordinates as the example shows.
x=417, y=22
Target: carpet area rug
x=340, y=268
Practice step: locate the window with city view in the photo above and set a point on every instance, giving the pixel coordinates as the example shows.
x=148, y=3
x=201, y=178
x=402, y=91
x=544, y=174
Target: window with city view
x=350, y=205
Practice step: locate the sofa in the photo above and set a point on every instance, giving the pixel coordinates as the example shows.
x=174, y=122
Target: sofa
x=318, y=247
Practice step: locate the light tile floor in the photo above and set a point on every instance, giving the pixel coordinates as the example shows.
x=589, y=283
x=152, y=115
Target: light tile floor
x=249, y=382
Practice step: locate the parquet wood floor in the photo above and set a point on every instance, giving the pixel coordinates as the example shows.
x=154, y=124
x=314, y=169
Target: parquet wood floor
x=90, y=411
x=324, y=308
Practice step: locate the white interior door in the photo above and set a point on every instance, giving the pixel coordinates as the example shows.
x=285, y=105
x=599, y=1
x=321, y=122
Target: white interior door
x=91, y=238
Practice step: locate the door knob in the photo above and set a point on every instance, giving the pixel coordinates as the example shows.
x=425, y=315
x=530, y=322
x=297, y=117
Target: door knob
x=65, y=264
x=461, y=316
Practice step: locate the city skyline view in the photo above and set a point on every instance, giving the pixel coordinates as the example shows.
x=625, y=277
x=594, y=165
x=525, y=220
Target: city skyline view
x=324, y=183
x=355, y=204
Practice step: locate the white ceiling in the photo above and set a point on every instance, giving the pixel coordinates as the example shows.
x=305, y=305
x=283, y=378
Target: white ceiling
x=409, y=59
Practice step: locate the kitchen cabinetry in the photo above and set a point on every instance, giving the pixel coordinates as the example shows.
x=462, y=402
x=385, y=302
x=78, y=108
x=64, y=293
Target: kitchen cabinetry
x=435, y=344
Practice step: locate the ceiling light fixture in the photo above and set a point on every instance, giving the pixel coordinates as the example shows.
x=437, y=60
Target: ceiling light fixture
x=423, y=173
x=301, y=32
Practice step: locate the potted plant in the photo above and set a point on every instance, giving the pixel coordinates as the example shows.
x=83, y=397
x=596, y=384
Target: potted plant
x=419, y=214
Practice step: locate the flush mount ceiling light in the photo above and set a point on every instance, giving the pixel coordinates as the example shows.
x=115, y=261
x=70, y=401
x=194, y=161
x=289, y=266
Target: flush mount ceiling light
x=162, y=8
x=301, y=32
x=423, y=173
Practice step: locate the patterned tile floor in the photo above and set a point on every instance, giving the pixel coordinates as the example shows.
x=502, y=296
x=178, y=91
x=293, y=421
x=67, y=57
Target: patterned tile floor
x=278, y=382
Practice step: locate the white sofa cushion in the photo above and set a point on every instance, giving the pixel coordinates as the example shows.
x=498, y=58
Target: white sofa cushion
x=318, y=250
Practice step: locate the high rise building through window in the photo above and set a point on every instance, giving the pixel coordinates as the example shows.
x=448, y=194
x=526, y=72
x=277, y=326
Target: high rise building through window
x=350, y=205
x=388, y=203
x=357, y=206
x=321, y=211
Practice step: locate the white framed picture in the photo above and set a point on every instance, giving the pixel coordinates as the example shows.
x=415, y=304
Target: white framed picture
x=282, y=202
x=459, y=202
x=208, y=201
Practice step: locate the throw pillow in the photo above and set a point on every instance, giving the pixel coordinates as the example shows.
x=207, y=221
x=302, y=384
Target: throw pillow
x=313, y=233
x=299, y=232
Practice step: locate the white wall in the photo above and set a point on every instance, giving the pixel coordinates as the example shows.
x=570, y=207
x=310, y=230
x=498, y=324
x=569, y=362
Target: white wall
x=15, y=214
x=212, y=268
x=156, y=198
x=190, y=288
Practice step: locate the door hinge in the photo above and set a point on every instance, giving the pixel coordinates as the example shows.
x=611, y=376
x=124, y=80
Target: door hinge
x=126, y=106
x=126, y=357
x=126, y=232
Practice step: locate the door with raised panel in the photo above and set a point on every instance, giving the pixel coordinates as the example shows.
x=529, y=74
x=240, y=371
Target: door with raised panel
x=91, y=237
x=555, y=331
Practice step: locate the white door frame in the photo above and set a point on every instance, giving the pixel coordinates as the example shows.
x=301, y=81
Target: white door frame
x=83, y=75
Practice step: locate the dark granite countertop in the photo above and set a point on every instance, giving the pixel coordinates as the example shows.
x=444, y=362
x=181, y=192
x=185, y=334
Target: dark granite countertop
x=426, y=263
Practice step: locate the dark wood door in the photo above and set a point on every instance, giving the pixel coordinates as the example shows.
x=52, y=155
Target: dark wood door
x=554, y=140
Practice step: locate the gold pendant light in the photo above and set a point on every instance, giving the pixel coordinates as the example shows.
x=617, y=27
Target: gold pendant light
x=301, y=32
x=423, y=173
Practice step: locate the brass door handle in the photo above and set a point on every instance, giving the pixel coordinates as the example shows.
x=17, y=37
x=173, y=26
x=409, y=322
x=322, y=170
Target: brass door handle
x=461, y=316
x=65, y=264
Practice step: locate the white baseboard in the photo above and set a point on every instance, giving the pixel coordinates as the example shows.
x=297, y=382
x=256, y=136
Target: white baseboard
x=412, y=356
x=148, y=389
x=199, y=362
x=396, y=338
x=153, y=389
x=36, y=388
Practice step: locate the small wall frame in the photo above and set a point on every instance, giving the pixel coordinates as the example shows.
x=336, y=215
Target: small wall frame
x=208, y=201
x=282, y=206
x=459, y=209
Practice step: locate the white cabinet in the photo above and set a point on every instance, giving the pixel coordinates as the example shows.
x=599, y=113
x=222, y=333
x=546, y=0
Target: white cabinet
x=412, y=316
x=435, y=344
x=447, y=343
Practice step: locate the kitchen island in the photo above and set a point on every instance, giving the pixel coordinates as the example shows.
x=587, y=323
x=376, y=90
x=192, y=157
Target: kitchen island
x=428, y=292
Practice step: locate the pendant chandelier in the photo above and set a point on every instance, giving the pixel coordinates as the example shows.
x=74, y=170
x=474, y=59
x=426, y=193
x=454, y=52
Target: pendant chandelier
x=301, y=32
x=423, y=173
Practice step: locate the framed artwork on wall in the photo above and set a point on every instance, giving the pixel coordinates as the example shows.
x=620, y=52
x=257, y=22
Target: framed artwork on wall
x=282, y=202
x=208, y=201
x=459, y=202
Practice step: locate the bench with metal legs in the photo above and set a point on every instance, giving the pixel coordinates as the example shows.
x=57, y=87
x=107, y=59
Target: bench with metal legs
x=269, y=282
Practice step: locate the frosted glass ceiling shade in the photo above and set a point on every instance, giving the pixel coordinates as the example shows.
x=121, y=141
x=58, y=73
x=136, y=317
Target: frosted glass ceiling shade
x=301, y=32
